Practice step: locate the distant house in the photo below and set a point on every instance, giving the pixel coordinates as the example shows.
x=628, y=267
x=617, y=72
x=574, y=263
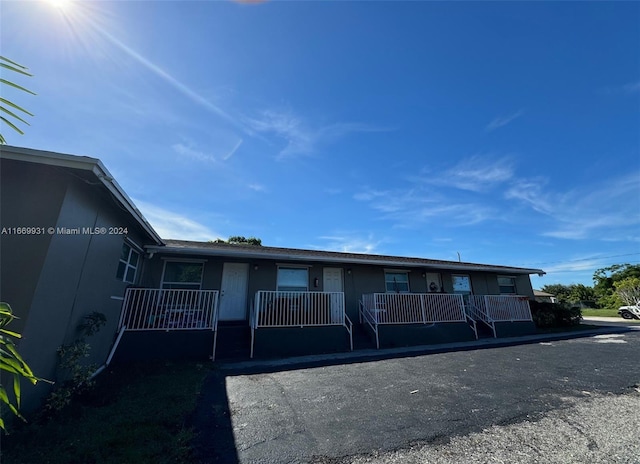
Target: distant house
x=76, y=244
x=544, y=297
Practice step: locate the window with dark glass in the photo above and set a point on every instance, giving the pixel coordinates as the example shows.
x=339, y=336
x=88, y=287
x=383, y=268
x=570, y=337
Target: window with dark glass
x=128, y=265
x=396, y=282
x=293, y=279
x=507, y=285
x=182, y=275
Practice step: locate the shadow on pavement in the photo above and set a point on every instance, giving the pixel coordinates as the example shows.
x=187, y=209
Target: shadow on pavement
x=214, y=442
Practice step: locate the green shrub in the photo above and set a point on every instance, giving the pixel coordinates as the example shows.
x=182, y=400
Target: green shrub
x=546, y=315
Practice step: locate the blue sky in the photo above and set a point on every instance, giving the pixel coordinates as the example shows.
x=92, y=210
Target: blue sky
x=506, y=132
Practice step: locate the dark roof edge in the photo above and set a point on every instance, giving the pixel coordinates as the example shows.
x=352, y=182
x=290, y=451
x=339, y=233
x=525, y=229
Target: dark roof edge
x=85, y=163
x=287, y=254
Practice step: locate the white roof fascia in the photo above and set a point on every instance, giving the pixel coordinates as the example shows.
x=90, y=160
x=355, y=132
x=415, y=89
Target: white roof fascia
x=110, y=183
x=300, y=257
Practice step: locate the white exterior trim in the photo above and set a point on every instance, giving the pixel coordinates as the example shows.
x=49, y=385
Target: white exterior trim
x=339, y=260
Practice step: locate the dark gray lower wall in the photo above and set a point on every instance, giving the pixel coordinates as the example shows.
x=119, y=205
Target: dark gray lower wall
x=296, y=341
x=515, y=329
x=420, y=334
x=162, y=345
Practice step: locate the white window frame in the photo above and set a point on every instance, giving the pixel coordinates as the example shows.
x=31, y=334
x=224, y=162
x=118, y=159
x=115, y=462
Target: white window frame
x=133, y=249
x=297, y=267
x=182, y=261
x=513, y=280
x=395, y=271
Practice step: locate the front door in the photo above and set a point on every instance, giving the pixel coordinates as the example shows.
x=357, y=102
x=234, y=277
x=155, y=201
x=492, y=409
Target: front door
x=233, y=292
x=332, y=282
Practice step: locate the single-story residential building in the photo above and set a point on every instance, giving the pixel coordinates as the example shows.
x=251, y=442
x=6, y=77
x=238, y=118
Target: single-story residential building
x=544, y=297
x=75, y=243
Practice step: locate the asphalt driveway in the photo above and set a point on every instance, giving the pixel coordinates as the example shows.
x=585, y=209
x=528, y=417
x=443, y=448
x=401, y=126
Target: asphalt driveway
x=376, y=411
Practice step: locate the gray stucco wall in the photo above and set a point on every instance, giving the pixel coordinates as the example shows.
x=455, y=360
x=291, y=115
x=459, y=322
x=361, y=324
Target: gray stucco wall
x=30, y=196
x=358, y=279
x=69, y=276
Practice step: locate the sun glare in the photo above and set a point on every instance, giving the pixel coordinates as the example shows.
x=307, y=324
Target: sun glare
x=60, y=4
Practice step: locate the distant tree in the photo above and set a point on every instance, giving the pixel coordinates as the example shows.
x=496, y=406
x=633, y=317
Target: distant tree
x=607, y=279
x=580, y=292
x=561, y=292
x=628, y=290
x=8, y=109
x=239, y=240
x=574, y=293
x=245, y=241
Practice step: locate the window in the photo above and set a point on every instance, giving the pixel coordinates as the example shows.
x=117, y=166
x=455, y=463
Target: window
x=182, y=275
x=129, y=259
x=461, y=284
x=293, y=279
x=507, y=285
x=396, y=282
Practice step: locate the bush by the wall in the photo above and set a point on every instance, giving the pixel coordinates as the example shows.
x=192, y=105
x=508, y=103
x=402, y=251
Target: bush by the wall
x=547, y=315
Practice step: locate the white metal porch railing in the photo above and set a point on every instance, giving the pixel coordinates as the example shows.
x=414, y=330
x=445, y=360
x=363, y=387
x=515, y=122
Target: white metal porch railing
x=478, y=313
x=503, y=308
x=413, y=308
x=160, y=309
x=410, y=308
x=298, y=309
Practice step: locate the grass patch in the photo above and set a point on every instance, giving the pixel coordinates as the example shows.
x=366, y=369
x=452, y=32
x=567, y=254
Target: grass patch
x=135, y=414
x=601, y=313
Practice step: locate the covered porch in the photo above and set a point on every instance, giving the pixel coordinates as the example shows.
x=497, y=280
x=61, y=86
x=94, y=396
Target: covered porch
x=168, y=324
x=425, y=318
x=276, y=318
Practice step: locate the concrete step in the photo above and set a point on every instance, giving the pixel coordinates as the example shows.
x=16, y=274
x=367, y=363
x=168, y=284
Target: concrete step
x=234, y=341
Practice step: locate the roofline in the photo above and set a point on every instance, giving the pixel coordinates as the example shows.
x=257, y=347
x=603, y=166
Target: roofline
x=301, y=256
x=85, y=163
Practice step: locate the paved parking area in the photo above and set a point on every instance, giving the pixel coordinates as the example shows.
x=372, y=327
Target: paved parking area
x=384, y=410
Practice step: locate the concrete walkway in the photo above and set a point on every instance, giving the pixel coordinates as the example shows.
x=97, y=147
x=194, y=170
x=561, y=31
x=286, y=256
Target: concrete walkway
x=611, y=320
x=607, y=325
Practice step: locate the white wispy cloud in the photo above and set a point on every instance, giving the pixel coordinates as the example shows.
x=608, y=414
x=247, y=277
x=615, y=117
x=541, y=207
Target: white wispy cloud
x=233, y=150
x=422, y=201
x=414, y=206
x=607, y=210
x=349, y=243
x=192, y=153
x=502, y=121
x=531, y=192
x=578, y=265
x=477, y=173
x=302, y=138
x=172, y=225
x=257, y=187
